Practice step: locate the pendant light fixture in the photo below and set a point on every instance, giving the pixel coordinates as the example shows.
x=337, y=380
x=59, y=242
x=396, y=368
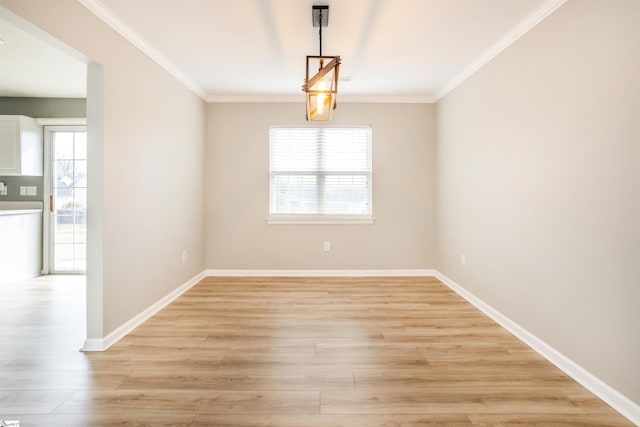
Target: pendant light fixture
x=321, y=88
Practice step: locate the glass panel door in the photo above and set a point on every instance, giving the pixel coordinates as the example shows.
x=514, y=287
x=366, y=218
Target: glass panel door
x=69, y=200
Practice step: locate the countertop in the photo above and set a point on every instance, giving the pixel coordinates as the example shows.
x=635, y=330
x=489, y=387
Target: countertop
x=18, y=208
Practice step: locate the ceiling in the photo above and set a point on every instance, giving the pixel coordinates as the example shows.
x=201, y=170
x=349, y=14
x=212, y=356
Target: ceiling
x=31, y=67
x=392, y=50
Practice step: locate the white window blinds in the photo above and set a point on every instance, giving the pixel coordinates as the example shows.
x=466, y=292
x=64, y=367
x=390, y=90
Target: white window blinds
x=320, y=171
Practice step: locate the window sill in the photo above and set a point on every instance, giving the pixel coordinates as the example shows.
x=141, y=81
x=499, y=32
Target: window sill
x=319, y=219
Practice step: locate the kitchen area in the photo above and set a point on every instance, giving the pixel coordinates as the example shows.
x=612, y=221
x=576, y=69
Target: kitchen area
x=42, y=182
x=43, y=192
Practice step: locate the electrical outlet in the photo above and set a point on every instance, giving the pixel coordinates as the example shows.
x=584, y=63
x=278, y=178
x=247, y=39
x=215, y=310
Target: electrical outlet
x=463, y=260
x=184, y=255
x=327, y=246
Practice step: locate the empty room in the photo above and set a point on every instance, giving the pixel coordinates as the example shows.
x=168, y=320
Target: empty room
x=319, y=213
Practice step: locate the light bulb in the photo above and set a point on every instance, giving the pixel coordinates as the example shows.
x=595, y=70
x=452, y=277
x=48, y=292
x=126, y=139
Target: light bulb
x=322, y=97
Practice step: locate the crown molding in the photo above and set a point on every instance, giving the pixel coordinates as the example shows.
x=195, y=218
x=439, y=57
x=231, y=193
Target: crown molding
x=102, y=12
x=546, y=9
x=387, y=99
x=347, y=99
x=255, y=98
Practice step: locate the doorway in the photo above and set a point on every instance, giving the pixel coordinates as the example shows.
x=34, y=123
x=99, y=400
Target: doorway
x=66, y=184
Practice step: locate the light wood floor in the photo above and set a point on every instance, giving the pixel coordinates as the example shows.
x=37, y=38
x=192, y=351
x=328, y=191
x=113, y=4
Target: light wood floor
x=282, y=352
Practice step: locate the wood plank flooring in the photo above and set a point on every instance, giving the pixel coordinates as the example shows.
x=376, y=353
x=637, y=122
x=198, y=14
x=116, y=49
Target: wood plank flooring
x=281, y=352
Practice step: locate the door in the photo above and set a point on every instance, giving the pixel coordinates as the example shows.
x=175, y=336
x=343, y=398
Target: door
x=67, y=216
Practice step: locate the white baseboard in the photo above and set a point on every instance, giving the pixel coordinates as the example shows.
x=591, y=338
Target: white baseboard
x=322, y=273
x=97, y=344
x=93, y=344
x=614, y=398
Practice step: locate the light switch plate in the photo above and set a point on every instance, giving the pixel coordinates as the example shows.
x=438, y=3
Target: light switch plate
x=32, y=190
x=23, y=190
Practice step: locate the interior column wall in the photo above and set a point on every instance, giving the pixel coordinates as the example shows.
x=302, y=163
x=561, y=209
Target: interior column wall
x=152, y=172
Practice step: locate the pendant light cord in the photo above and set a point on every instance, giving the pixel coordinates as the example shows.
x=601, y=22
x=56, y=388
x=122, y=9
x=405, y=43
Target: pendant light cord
x=320, y=31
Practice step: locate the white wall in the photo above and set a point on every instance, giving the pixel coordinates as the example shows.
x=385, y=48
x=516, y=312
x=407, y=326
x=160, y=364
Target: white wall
x=152, y=164
x=238, y=236
x=538, y=172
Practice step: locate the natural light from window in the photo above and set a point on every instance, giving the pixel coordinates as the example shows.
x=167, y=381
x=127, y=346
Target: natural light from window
x=320, y=174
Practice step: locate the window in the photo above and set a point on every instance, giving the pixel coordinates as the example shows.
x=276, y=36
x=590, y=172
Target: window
x=320, y=174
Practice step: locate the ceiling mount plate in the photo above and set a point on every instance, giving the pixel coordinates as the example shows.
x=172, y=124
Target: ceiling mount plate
x=316, y=15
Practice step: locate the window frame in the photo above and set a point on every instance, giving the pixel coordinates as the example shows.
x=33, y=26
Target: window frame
x=274, y=218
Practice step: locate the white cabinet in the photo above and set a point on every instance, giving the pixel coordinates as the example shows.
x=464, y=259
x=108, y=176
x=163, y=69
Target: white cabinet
x=21, y=241
x=21, y=148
